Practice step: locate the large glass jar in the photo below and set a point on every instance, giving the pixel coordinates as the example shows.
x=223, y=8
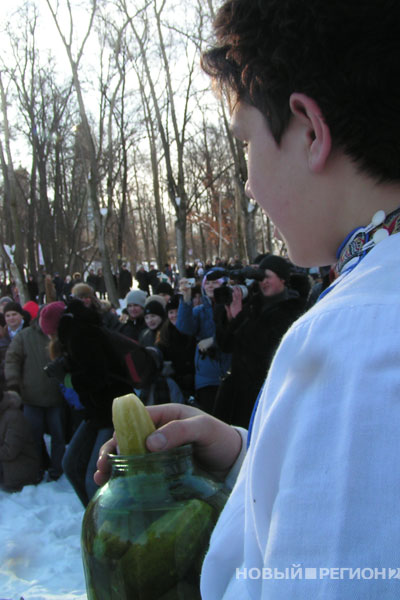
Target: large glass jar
x=145, y=533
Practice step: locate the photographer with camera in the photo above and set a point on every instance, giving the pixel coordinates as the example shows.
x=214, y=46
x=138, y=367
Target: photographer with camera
x=210, y=363
x=251, y=330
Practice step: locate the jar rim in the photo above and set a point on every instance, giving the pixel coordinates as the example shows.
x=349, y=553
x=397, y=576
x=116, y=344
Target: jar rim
x=178, y=451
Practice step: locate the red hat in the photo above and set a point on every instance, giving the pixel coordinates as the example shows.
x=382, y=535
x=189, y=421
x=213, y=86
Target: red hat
x=50, y=316
x=32, y=308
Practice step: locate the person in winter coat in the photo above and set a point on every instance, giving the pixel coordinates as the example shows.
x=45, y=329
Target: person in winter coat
x=43, y=402
x=154, y=317
x=50, y=289
x=15, y=319
x=86, y=293
x=165, y=290
x=58, y=285
x=135, y=301
x=163, y=388
x=94, y=358
x=33, y=288
x=19, y=460
x=32, y=308
x=252, y=331
x=177, y=349
x=124, y=281
x=91, y=279
x=101, y=284
x=210, y=363
x=67, y=288
x=153, y=277
x=142, y=277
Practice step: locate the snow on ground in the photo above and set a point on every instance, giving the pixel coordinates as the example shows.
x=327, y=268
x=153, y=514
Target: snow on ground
x=40, y=556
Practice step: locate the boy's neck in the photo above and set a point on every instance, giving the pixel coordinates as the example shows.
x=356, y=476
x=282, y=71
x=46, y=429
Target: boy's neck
x=355, y=196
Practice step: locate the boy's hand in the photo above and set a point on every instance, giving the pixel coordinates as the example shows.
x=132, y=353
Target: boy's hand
x=216, y=444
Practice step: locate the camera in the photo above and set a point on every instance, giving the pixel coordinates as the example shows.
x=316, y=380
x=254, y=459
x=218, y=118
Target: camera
x=246, y=273
x=224, y=294
x=191, y=282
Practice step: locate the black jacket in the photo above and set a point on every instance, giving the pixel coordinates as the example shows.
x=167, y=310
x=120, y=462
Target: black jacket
x=252, y=337
x=97, y=360
x=133, y=328
x=180, y=350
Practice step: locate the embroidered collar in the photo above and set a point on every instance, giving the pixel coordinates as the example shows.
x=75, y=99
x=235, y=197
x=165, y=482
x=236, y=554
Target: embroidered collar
x=361, y=240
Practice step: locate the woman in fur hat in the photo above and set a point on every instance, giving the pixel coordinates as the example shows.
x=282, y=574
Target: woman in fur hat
x=85, y=293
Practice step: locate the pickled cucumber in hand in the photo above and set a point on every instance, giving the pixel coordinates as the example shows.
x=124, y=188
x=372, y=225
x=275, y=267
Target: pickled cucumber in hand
x=132, y=424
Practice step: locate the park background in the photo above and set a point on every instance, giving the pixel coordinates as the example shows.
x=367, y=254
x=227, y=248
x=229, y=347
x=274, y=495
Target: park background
x=113, y=147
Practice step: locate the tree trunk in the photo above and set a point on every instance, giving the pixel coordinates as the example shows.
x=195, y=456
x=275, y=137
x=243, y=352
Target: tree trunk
x=17, y=259
x=180, y=232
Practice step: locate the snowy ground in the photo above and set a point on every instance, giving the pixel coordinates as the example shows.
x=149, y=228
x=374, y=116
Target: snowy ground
x=40, y=557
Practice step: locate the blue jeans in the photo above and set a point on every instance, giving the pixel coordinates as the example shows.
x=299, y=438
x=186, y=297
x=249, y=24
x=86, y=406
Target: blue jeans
x=81, y=456
x=51, y=419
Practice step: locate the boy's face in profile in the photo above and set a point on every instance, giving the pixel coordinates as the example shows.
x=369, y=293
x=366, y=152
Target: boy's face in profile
x=281, y=182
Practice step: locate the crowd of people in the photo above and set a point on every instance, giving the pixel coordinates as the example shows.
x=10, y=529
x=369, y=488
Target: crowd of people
x=171, y=340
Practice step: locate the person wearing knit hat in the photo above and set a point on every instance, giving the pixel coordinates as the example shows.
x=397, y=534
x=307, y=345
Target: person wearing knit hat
x=164, y=289
x=154, y=316
x=15, y=319
x=137, y=297
x=13, y=307
x=251, y=330
x=178, y=350
x=173, y=303
x=32, y=308
x=278, y=265
x=154, y=308
x=135, y=302
x=50, y=316
x=43, y=404
x=156, y=298
x=14, y=316
x=3, y=301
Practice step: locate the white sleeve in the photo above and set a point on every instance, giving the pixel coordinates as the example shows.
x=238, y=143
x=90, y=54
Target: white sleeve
x=315, y=510
x=233, y=473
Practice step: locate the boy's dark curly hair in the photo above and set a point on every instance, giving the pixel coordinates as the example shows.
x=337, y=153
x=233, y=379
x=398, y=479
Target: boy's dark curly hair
x=342, y=53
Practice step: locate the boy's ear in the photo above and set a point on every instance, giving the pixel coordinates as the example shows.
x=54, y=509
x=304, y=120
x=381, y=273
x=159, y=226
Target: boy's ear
x=318, y=133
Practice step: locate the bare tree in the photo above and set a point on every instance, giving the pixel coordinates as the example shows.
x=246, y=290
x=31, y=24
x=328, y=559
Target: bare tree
x=17, y=257
x=171, y=129
x=93, y=171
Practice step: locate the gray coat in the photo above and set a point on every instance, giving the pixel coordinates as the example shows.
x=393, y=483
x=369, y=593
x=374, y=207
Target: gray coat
x=26, y=356
x=18, y=457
